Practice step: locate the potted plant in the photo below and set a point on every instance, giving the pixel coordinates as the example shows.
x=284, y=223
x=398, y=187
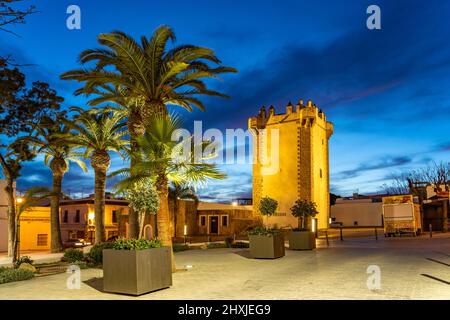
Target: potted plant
x=136, y=266
x=266, y=243
x=302, y=238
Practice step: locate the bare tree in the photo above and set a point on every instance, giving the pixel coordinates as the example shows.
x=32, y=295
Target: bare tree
x=10, y=15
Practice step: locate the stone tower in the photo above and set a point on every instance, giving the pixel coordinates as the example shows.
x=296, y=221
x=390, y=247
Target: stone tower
x=302, y=171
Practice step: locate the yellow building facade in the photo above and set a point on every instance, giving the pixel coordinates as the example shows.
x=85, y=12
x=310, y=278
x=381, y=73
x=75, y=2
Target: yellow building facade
x=35, y=229
x=291, y=160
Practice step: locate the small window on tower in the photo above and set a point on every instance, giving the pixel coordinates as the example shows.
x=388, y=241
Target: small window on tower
x=320, y=173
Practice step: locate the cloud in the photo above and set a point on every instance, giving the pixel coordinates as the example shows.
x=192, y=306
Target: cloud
x=385, y=162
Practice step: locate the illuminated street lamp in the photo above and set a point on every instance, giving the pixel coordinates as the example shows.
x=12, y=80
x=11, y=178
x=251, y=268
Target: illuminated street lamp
x=19, y=201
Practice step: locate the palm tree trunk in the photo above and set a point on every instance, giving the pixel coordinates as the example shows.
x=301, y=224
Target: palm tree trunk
x=136, y=129
x=11, y=215
x=16, y=249
x=99, y=207
x=175, y=214
x=163, y=215
x=56, y=242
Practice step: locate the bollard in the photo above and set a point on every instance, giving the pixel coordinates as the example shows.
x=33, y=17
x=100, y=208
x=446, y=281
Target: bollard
x=430, y=226
x=342, y=238
x=326, y=235
x=376, y=234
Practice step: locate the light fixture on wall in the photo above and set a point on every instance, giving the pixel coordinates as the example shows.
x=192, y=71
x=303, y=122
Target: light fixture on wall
x=313, y=225
x=91, y=217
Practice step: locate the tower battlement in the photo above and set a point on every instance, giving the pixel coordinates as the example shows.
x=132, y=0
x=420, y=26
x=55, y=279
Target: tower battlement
x=308, y=115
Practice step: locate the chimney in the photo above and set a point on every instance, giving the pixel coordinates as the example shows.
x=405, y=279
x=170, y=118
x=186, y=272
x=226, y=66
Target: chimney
x=271, y=111
x=309, y=103
x=262, y=112
x=289, y=108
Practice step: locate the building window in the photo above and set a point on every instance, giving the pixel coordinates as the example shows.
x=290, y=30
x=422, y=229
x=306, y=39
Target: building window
x=203, y=221
x=42, y=239
x=320, y=173
x=72, y=234
x=80, y=234
x=66, y=216
x=77, y=216
x=114, y=216
x=224, y=221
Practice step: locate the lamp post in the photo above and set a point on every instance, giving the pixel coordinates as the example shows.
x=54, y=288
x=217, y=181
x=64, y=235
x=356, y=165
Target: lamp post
x=19, y=201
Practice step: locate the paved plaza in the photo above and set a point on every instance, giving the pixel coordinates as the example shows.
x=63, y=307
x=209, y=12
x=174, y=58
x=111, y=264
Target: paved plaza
x=411, y=268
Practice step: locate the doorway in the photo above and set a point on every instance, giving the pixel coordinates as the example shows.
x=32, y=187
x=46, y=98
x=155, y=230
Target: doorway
x=214, y=224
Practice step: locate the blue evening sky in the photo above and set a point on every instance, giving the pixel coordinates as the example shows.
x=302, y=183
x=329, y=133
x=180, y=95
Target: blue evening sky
x=386, y=91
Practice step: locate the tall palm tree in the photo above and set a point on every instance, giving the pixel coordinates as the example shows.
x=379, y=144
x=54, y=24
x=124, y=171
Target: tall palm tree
x=144, y=77
x=49, y=140
x=161, y=159
x=98, y=131
x=31, y=198
x=180, y=192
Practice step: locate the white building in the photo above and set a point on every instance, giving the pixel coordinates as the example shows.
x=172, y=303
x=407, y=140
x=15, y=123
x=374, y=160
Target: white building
x=357, y=212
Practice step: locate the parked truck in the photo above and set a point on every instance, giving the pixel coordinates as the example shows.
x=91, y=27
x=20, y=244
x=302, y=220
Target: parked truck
x=401, y=216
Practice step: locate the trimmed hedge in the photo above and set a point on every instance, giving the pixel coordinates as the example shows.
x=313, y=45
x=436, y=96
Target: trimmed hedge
x=95, y=255
x=73, y=255
x=11, y=275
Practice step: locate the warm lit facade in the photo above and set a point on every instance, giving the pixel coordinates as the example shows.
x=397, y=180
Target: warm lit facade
x=223, y=219
x=77, y=218
x=35, y=229
x=301, y=170
x=34, y=226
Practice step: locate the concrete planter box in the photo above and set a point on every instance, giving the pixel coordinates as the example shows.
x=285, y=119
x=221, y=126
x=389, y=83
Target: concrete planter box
x=302, y=240
x=136, y=272
x=267, y=247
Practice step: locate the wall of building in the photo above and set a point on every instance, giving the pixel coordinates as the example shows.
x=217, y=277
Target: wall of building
x=364, y=212
x=35, y=229
x=85, y=227
x=72, y=229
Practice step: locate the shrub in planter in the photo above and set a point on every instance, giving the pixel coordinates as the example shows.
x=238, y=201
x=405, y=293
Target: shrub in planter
x=267, y=207
x=302, y=238
x=266, y=243
x=95, y=255
x=11, y=275
x=136, y=267
x=73, y=255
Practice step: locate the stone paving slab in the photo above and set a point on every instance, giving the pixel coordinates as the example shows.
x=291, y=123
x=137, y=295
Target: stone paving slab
x=335, y=272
